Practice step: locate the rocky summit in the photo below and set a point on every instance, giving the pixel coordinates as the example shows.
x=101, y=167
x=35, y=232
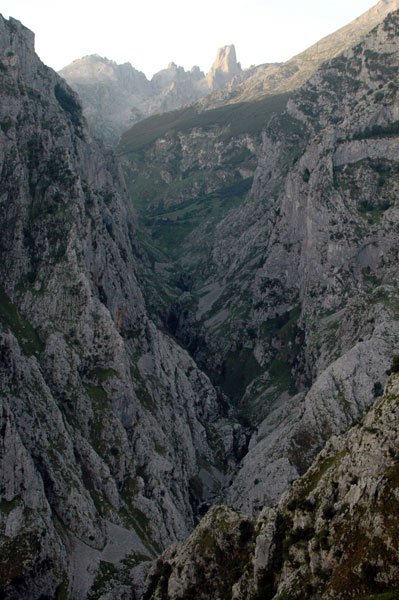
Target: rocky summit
x=205, y=324
x=224, y=68
x=114, y=97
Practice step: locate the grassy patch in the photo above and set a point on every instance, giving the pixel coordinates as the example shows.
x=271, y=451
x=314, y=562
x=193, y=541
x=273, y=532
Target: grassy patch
x=61, y=592
x=238, y=370
x=103, y=374
x=244, y=117
x=7, y=506
x=310, y=481
x=387, y=596
x=135, y=519
x=98, y=395
x=101, y=414
x=109, y=575
x=281, y=375
x=11, y=319
x=170, y=228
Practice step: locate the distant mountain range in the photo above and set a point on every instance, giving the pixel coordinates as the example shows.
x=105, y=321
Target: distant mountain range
x=115, y=97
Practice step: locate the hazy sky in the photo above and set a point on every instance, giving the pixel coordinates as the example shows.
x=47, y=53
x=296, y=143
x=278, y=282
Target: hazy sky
x=152, y=33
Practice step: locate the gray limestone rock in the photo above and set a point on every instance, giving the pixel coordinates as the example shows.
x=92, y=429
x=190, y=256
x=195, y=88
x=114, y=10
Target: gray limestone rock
x=333, y=534
x=103, y=415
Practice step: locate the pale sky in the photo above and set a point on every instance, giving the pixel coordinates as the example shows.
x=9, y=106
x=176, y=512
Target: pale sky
x=151, y=33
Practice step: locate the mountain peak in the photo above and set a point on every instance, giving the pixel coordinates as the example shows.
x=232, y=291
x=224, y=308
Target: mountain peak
x=226, y=59
x=224, y=68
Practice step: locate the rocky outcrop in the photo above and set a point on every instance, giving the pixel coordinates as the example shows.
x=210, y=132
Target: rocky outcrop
x=110, y=435
x=333, y=535
x=224, y=68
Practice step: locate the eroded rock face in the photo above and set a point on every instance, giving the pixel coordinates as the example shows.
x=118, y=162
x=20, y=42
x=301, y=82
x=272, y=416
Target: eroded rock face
x=282, y=284
x=224, y=68
x=104, y=451
x=333, y=535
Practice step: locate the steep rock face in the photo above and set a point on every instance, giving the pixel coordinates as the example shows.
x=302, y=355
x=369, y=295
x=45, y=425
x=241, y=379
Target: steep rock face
x=286, y=294
x=114, y=96
x=333, y=535
x=224, y=68
x=105, y=421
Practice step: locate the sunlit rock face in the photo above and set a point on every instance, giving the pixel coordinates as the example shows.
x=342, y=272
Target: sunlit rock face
x=114, y=97
x=224, y=68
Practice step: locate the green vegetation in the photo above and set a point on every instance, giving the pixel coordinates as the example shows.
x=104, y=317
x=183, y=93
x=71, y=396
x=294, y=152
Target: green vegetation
x=61, y=592
x=310, y=481
x=238, y=370
x=134, y=518
x=284, y=327
x=7, y=506
x=109, y=575
x=389, y=300
x=103, y=374
x=101, y=412
x=378, y=389
x=392, y=474
x=395, y=364
x=377, y=131
x=371, y=201
x=228, y=544
x=11, y=319
x=284, y=332
x=387, y=596
x=244, y=117
x=280, y=372
x=170, y=228
x=106, y=574
x=68, y=103
x=18, y=556
x=98, y=395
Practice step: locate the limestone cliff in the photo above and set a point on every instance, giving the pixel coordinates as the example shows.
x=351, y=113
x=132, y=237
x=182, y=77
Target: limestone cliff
x=224, y=68
x=110, y=435
x=268, y=248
